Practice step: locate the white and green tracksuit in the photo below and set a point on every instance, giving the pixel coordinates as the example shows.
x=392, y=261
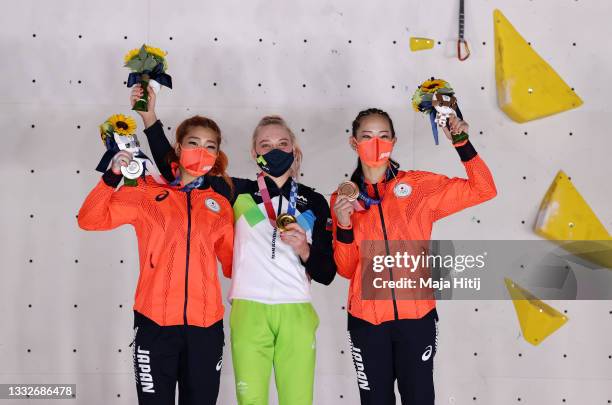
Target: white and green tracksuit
x=273, y=323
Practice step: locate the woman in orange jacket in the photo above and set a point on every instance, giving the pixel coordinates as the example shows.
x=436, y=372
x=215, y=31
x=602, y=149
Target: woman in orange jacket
x=395, y=339
x=182, y=230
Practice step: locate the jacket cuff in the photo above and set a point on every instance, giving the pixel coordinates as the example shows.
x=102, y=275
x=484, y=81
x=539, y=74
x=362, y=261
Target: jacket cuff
x=344, y=235
x=111, y=179
x=153, y=128
x=318, y=266
x=466, y=151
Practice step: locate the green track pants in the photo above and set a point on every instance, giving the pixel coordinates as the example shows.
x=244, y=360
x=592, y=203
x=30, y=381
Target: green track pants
x=279, y=335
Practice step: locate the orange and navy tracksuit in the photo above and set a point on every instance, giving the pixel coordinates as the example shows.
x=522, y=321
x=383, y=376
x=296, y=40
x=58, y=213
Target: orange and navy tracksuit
x=395, y=339
x=178, y=305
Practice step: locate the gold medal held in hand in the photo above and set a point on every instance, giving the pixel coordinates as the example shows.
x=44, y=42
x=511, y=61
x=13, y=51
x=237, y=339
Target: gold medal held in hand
x=283, y=220
x=349, y=189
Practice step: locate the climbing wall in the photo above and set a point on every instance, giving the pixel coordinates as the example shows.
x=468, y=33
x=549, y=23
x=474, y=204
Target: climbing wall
x=66, y=294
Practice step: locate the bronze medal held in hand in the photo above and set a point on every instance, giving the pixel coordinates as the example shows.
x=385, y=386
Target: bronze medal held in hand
x=349, y=189
x=283, y=220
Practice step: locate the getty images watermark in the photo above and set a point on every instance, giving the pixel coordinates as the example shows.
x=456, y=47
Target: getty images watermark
x=477, y=270
x=405, y=262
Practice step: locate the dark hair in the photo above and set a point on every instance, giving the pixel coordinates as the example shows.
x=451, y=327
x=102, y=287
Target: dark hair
x=368, y=112
x=220, y=166
x=358, y=173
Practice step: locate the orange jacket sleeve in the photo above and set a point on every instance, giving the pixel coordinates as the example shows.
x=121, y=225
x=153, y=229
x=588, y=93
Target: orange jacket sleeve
x=450, y=195
x=106, y=208
x=346, y=254
x=224, y=246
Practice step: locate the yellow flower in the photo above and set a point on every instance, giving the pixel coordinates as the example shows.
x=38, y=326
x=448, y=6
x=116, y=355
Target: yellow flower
x=156, y=51
x=105, y=128
x=160, y=53
x=122, y=124
x=130, y=55
x=431, y=86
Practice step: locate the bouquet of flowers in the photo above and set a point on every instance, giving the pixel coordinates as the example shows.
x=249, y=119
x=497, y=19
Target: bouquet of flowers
x=436, y=98
x=118, y=133
x=148, y=66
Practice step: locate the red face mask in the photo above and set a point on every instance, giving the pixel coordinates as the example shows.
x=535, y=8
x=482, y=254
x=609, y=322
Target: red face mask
x=197, y=161
x=375, y=152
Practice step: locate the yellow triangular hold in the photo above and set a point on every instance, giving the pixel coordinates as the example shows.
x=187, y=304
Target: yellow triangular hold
x=527, y=87
x=565, y=215
x=596, y=251
x=538, y=320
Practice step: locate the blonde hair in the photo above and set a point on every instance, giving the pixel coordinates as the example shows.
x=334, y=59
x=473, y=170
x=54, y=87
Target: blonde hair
x=278, y=120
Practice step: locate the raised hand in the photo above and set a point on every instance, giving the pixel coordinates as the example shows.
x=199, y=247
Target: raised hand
x=148, y=117
x=457, y=126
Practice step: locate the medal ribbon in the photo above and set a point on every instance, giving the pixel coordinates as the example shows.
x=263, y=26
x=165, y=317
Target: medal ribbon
x=265, y=196
x=363, y=195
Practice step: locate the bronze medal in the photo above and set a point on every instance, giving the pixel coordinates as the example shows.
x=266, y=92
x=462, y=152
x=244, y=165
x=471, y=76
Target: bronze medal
x=349, y=189
x=283, y=220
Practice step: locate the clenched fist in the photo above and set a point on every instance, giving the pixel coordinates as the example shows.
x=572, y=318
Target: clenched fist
x=121, y=158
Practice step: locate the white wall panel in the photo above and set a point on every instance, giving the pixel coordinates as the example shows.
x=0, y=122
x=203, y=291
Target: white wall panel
x=67, y=314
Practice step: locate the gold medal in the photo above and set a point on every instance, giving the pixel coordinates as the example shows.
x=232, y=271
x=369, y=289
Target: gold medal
x=283, y=220
x=349, y=189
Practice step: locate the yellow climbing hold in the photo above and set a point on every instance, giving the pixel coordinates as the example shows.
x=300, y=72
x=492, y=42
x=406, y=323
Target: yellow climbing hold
x=420, y=44
x=527, y=87
x=537, y=319
x=565, y=215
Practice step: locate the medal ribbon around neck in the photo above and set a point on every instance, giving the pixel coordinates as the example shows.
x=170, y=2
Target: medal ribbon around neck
x=363, y=195
x=265, y=195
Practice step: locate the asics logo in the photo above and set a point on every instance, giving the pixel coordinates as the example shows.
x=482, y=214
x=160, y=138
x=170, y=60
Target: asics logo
x=427, y=353
x=219, y=364
x=162, y=196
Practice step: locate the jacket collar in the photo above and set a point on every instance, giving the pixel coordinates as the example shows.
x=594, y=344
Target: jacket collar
x=273, y=189
x=390, y=173
x=201, y=183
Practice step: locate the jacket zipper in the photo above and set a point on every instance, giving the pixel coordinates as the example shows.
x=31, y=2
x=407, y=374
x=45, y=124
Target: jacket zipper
x=188, y=249
x=384, y=229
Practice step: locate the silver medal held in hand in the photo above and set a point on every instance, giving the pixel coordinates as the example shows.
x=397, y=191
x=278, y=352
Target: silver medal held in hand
x=130, y=144
x=133, y=170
